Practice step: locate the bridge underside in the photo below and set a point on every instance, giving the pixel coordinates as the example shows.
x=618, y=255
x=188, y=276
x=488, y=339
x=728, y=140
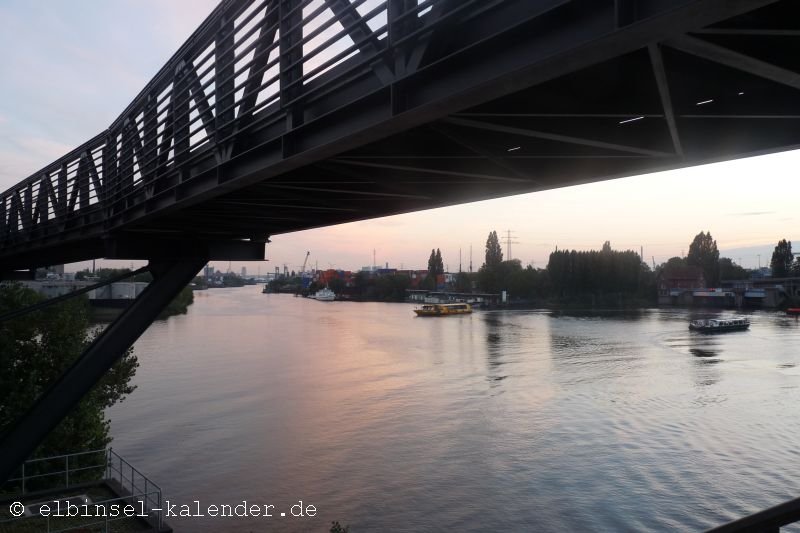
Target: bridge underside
x=666, y=106
x=263, y=124
x=569, y=93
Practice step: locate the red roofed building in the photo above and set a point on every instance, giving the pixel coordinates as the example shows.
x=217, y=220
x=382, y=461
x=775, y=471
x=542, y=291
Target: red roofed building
x=676, y=280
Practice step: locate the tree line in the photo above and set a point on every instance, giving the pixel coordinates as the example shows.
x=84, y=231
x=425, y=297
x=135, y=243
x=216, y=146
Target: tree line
x=178, y=306
x=612, y=276
x=594, y=277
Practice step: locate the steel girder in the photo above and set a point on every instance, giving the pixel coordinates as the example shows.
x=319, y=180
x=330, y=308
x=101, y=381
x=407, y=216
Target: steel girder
x=194, y=145
x=22, y=438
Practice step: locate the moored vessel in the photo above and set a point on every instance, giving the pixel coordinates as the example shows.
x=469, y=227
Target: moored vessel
x=324, y=295
x=443, y=309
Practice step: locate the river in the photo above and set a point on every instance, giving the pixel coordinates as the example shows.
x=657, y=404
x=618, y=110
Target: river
x=499, y=420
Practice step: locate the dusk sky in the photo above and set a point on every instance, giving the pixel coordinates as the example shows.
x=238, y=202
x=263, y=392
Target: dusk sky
x=69, y=68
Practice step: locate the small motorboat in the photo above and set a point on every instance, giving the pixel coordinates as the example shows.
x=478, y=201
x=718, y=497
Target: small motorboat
x=719, y=325
x=793, y=311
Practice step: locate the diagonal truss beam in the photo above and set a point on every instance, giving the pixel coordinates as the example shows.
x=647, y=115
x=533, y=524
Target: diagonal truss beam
x=459, y=139
x=424, y=40
x=293, y=206
x=201, y=100
x=359, y=31
x=41, y=211
x=266, y=43
x=349, y=191
x=22, y=438
x=499, y=128
x=748, y=31
x=660, y=74
x=736, y=60
x=423, y=171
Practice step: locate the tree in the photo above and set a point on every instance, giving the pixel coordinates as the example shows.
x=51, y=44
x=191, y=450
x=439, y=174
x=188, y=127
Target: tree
x=435, y=267
x=35, y=350
x=703, y=252
x=463, y=282
x=607, y=247
x=574, y=273
x=782, y=258
x=432, y=262
x=391, y=288
x=180, y=304
x=675, y=262
x=435, y=264
x=361, y=282
x=337, y=285
x=494, y=253
x=490, y=275
x=730, y=270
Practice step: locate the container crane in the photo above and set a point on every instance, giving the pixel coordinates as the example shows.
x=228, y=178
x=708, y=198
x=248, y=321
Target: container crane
x=302, y=275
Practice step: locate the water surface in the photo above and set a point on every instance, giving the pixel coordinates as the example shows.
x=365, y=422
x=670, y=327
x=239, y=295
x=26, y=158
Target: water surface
x=501, y=420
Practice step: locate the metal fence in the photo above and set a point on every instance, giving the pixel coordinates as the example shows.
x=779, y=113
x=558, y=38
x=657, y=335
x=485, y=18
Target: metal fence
x=65, y=472
x=59, y=471
x=139, y=487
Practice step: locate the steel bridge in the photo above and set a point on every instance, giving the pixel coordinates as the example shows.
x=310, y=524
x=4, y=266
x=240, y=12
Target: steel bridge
x=283, y=115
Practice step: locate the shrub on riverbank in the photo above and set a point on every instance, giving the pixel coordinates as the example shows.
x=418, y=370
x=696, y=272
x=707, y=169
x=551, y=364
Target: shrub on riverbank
x=35, y=350
x=180, y=304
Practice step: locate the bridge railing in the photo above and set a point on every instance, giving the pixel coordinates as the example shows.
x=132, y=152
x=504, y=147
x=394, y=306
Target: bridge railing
x=57, y=194
x=252, y=65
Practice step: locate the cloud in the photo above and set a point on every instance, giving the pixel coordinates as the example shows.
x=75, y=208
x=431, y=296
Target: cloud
x=25, y=156
x=752, y=213
x=73, y=73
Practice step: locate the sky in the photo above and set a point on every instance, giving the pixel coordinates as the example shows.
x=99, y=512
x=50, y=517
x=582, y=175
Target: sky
x=68, y=69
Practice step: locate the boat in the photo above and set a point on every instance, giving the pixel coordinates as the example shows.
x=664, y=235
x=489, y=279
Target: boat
x=324, y=295
x=444, y=309
x=793, y=311
x=719, y=325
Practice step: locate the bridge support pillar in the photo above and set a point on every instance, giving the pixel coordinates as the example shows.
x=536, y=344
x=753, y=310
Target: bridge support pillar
x=22, y=438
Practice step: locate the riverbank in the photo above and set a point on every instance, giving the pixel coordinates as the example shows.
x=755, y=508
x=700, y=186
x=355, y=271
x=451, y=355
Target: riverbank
x=108, y=310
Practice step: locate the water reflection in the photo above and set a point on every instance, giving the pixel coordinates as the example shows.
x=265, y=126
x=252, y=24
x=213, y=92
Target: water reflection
x=704, y=346
x=788, y=322
x=704, y=352
x=494, y=347
x=618, y=314
x=511, y=421
x=707, y=350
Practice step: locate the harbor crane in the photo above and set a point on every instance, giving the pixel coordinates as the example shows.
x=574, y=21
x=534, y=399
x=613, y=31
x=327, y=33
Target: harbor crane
x=302, y=274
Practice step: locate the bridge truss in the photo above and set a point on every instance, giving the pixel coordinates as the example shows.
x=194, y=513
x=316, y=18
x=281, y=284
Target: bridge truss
x=282, y=115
